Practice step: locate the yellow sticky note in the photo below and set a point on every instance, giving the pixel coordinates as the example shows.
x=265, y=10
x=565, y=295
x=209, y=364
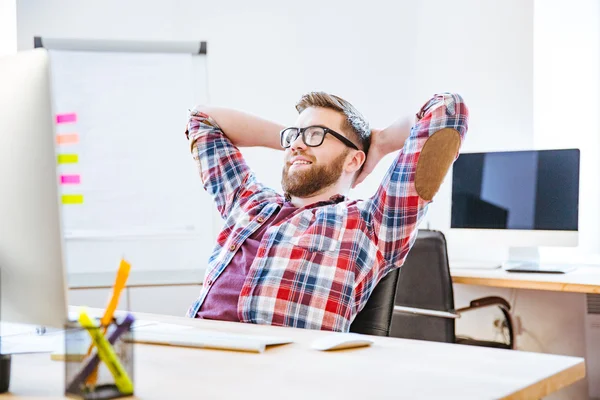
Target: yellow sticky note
x=68, y=158
x=72, y=199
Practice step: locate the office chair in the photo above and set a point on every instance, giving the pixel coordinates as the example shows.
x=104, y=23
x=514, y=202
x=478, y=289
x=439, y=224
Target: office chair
x=424, y=304
x=376, y=317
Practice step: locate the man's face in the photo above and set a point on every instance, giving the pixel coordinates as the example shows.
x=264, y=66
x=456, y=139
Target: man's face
x=308, y=170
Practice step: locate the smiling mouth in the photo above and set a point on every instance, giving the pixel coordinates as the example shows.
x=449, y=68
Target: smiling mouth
x=299, y=164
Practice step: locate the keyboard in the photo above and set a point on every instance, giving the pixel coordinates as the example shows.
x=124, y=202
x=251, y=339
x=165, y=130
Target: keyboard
x=530, y=267
x=206, y=339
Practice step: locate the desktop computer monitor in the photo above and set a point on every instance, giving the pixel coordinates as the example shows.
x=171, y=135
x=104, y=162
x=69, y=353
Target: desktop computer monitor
x=519, y=199
x=33, y=281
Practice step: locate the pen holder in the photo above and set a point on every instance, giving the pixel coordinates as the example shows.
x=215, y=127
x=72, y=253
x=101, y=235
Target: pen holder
x=98, y=375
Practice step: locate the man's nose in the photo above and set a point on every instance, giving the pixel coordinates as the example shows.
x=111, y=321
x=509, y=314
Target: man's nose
x=298, y=144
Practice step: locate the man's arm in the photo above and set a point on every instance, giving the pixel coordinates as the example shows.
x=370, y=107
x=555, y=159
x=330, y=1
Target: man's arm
x=224, y=172
x=243, y=129
x=428, y=151
x=383, y=142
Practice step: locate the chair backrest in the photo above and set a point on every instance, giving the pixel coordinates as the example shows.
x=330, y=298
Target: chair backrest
x=425, y=282
x=376, y=317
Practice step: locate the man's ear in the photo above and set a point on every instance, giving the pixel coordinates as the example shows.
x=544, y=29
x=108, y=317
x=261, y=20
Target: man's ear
x=355, y=162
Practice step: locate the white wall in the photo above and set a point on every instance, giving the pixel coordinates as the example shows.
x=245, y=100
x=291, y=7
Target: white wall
x=8, y=27
x=385, y=58
x=567, y=102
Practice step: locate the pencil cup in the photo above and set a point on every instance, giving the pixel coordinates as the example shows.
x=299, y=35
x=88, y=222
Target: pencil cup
x=105, y=372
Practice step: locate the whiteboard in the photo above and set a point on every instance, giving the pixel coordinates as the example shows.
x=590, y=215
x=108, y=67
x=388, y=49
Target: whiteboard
x=128, y=184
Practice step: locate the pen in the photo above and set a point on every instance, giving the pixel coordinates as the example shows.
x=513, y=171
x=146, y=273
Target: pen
x=122, y=275
x=121, y=279
x=93, y=362
x=107, y=354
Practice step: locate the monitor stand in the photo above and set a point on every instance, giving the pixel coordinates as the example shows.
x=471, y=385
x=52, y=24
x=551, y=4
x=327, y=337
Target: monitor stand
x=527, y=259
x=523, y=256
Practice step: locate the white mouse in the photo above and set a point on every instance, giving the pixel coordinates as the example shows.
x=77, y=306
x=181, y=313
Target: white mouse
x=338, y=341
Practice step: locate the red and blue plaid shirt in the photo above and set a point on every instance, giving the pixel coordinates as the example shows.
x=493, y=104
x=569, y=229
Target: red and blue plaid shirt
x=318, y=268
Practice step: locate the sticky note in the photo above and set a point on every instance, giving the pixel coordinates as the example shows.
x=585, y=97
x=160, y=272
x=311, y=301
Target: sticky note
x=67, y=138
x=72, y=199
x=70, y=179
x=66, y=118
x=68, y=158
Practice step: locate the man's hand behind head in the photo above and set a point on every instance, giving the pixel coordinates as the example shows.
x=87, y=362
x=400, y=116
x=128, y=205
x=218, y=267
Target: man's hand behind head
x=376, y=153
x=384, y=142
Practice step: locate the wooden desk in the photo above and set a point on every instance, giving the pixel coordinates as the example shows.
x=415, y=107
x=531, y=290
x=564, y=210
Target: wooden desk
x=396, y=368
x=584, y=279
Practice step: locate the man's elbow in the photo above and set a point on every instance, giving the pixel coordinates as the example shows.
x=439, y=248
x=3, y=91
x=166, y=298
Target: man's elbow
x=455, y=105
x=456, y=114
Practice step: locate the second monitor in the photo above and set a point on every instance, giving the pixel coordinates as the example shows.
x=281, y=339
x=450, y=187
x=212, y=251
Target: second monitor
x=520, y=199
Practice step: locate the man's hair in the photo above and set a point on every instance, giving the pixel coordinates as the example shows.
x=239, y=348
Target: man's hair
x=355, y=122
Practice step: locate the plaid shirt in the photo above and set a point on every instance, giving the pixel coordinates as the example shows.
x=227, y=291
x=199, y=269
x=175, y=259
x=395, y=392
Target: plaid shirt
x=318, y=268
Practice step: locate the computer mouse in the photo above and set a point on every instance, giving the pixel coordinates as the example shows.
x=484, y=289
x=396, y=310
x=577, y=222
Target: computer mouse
x=339, y=341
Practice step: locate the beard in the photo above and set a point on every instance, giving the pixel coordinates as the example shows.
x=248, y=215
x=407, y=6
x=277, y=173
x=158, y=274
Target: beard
x=309, y=181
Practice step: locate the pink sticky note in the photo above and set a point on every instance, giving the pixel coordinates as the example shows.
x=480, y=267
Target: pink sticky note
x=70, y=179
x=66, y=118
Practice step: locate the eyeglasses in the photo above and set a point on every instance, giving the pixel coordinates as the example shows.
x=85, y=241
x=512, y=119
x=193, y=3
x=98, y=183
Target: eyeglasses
x=312, y=136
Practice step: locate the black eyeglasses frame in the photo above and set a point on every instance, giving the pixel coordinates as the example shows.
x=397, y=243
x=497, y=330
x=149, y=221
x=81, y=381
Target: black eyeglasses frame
x=300, y=131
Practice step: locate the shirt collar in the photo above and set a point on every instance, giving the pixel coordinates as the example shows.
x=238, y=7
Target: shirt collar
x=337, y=198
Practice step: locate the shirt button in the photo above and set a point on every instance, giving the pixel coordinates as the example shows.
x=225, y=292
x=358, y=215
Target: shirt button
x=232, y=247
x=260, y=219
x=209, y=282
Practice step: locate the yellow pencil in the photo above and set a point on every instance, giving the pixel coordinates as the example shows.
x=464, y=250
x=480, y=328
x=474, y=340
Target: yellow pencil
x=120, y=281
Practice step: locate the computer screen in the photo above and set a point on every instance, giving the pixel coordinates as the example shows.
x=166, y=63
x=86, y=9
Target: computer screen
x=526, y=190
x=32, y=274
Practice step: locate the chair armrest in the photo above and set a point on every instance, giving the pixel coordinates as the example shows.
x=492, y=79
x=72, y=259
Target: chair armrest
x=504, y=307
x=486, y=302
x=426, y=312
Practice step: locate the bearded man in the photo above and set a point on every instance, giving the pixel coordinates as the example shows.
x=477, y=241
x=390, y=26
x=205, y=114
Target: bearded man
x=311, y=257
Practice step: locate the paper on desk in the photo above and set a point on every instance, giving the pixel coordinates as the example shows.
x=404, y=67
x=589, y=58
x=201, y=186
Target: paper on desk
x=160, y=327
x=21, y=344
x=23, y=338
x=11, y=329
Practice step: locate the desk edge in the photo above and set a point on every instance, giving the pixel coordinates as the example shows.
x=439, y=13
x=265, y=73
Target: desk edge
x=527, y=284
x=546, y=386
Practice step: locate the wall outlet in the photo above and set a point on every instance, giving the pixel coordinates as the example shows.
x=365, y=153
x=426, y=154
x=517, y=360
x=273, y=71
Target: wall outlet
x=518, y=328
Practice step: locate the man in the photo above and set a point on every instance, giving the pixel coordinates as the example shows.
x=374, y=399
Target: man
x=311, y=258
